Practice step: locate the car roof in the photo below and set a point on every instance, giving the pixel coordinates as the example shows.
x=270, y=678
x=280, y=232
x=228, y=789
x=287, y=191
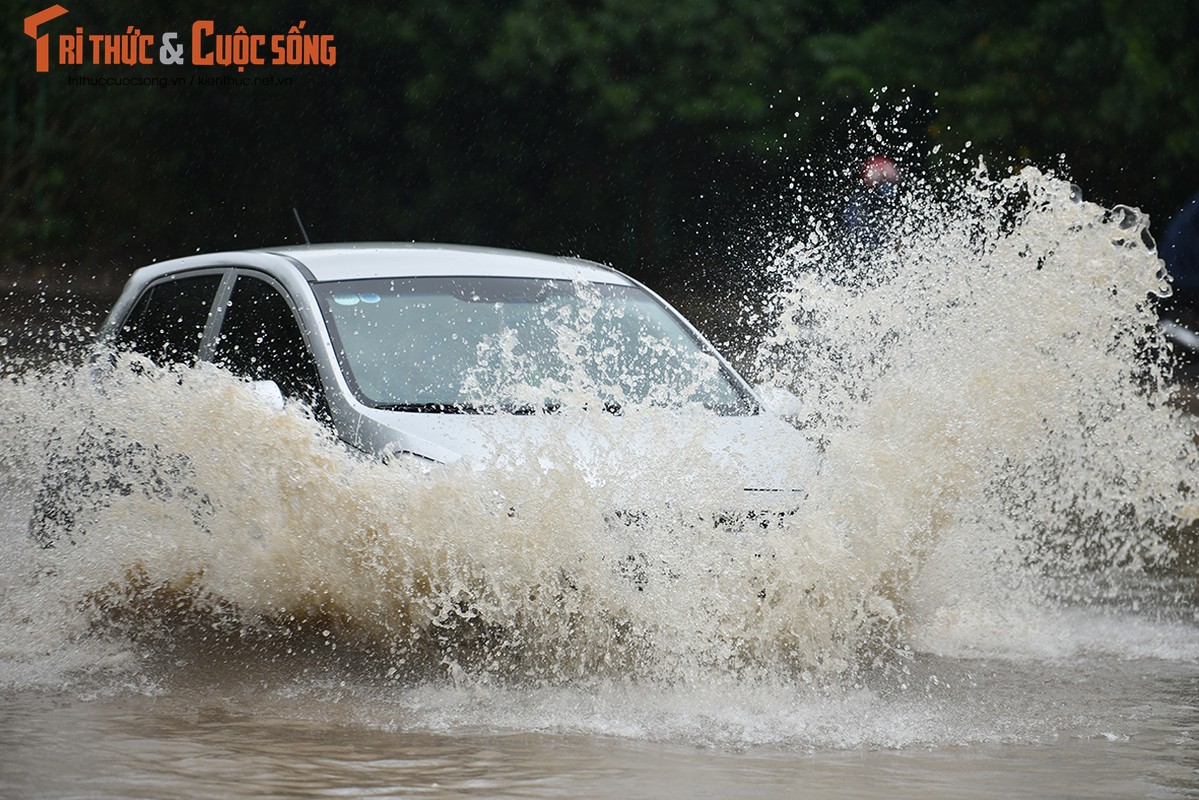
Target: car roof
x=332, y=262
x=328, y=262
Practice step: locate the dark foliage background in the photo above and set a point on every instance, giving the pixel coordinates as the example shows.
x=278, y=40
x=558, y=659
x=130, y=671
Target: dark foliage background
x=662, y=137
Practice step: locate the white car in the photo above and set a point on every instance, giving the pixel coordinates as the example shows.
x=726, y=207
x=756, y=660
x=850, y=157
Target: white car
x=441, y=352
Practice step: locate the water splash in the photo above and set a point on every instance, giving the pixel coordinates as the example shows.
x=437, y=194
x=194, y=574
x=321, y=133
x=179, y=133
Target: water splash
x=993, y=404
x=991, y=389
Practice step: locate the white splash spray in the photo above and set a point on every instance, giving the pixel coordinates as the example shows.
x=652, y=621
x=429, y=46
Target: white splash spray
x=988, y=387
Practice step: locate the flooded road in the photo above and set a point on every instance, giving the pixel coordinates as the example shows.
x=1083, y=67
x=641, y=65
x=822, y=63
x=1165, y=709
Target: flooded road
x=986, y=588
x=1047, y=730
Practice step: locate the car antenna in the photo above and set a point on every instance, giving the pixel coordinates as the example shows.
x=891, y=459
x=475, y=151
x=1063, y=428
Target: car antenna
x=300, y=222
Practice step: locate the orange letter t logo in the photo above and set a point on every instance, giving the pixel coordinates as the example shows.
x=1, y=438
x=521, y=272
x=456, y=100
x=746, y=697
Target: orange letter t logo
x=43, y=42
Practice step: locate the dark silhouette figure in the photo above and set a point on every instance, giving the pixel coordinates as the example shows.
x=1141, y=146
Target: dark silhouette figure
x=1179, y=248
x=869, y=221
x=870, y=210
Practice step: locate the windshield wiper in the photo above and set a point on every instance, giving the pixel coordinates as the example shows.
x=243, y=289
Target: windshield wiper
x=430, y=408
x=551, y=406
x=467, y=408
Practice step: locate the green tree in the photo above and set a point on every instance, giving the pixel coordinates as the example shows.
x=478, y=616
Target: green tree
x=646, y=135
x=1111, y=86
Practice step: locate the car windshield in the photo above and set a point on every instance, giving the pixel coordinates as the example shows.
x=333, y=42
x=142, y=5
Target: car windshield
x=474, y=344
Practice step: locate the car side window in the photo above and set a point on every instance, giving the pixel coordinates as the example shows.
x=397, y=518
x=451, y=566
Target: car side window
x=261, y=340
x=167, y=321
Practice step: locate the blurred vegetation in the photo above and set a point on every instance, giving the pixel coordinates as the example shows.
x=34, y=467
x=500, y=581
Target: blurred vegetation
x=666, y=138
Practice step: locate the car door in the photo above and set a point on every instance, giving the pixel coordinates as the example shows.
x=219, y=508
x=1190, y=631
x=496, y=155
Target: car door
x=260, y=338
x=168, y=323
x=168, y=320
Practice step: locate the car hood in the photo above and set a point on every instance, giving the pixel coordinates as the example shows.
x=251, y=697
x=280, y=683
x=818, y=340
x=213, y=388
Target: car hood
x=764, y=451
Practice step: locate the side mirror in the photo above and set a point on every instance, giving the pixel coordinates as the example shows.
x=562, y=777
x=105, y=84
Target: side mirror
x=269, y=392
x=780, y=402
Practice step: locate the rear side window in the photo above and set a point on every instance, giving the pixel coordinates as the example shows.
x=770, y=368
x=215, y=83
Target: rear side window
x=261, y=340
x=168, y=320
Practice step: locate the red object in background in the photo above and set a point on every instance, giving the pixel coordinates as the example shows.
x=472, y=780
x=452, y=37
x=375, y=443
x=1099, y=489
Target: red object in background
x=879, y=169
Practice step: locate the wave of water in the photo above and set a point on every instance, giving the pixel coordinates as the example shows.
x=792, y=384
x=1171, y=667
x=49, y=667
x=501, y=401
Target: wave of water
x=1001, y=460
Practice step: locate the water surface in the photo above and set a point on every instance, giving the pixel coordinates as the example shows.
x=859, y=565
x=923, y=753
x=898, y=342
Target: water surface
x=986, y=588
